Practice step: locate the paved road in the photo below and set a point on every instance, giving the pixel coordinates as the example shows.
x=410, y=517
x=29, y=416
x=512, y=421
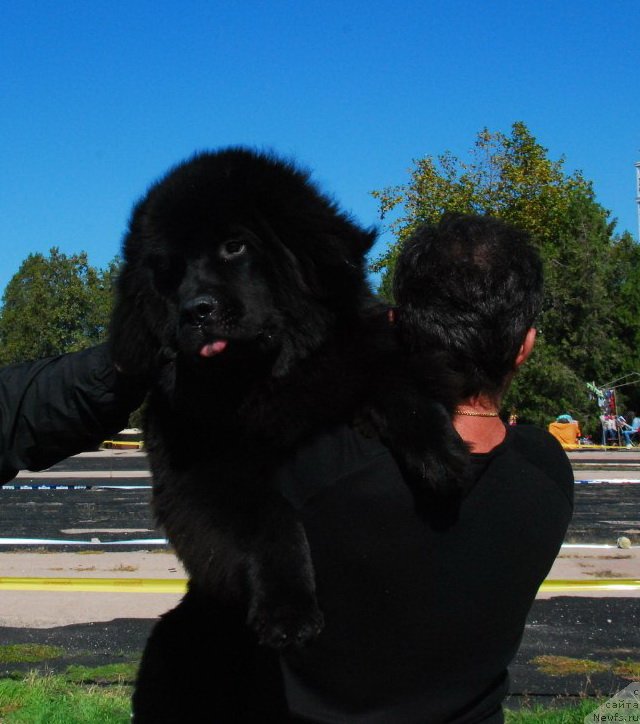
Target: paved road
x=107, y=498
x=98, y=498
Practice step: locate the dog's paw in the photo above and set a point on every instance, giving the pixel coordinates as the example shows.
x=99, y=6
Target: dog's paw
x=443, y=471
x=286, y=625
x=437, y=463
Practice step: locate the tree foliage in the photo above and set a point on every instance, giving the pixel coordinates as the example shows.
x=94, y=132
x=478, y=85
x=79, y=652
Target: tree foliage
x=54, y=304
x=589, y=328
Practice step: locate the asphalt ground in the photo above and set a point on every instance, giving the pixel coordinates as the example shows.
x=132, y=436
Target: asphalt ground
x=103, y=499
x=102, y=573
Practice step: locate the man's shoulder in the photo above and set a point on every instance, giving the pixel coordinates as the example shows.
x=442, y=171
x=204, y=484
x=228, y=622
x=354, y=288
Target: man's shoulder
x=533, y=435
x=533, y=438
x=325, y=459
x=543, y=451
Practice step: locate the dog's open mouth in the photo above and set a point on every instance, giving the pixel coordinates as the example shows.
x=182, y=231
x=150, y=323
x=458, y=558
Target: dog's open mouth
x=213, y=348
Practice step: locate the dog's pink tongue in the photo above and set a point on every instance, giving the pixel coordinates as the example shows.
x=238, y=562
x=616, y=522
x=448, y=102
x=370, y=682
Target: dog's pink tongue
x=213, y=348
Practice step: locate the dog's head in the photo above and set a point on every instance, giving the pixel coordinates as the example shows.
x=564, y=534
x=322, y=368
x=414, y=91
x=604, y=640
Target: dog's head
x=236, y=254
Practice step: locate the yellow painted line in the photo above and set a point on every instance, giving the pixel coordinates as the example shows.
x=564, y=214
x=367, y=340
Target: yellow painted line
x=602, y=584
x=97, y=585
x=601, y=447
x=179, y=586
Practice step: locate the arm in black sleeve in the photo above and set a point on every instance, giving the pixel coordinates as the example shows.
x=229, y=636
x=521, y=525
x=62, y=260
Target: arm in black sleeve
x=60, y=406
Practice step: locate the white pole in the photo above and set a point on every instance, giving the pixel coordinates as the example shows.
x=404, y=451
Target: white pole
x=638, y=196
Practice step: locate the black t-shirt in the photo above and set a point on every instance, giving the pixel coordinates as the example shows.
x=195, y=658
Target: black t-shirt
x=421, y=619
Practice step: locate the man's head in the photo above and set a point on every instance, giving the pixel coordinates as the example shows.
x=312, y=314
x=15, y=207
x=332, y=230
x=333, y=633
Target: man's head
x=471, y=286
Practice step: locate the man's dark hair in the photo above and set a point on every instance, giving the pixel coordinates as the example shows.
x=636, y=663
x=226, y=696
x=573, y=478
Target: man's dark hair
x=472, y=287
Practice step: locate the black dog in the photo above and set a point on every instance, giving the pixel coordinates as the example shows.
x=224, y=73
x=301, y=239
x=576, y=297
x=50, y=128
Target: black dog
x=244, y=297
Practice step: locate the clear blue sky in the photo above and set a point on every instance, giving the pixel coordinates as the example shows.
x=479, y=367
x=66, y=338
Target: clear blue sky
x=98, y=98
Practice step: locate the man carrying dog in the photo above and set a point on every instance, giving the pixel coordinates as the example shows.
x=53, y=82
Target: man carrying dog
x=423, y=616
x=423, y=613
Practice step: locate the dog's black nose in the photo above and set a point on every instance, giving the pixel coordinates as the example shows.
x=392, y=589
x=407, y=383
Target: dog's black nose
x=199, y=309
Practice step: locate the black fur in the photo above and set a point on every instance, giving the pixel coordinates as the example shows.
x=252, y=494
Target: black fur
x=243, y=297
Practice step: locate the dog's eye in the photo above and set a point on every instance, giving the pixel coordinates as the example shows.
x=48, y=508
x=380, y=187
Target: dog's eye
x=232, y=248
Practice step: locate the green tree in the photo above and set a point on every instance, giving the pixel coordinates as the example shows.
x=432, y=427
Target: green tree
x=625, y=326
x=588, y=329
x=548, y=385
x=508, y=176
x=54, y=304
x=626, y=292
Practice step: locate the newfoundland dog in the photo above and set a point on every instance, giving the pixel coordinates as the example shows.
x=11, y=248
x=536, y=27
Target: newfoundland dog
x=243, y=298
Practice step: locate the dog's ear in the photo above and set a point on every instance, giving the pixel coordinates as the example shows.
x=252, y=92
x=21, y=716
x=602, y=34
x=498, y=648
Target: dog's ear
x=340, y=261
x=134, y=346
x=361, y=240
x=138, y=318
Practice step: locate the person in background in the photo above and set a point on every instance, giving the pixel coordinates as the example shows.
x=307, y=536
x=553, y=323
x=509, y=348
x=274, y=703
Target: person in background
x=566, y=430
x=609, y=429
x=630, y=427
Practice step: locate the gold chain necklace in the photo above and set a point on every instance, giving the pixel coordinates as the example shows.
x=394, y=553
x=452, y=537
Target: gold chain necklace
x=477, y=414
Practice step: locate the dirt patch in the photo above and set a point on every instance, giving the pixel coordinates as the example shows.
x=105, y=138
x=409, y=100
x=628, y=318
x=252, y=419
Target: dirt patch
x=566, y=665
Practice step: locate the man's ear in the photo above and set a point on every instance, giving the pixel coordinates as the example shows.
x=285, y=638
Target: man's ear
x=526, y=347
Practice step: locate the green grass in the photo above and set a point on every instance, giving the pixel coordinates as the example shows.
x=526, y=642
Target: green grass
x=28, y=653
x=109, y=674
x=573, y=714
x=70, y=699
x=53, y=699
x=565, y=666
x=628, y=669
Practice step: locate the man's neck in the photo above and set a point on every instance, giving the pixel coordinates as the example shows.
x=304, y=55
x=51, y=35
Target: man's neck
x=480, y=427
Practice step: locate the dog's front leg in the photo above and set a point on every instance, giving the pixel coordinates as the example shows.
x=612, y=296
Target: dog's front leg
x=282, y=605
x=241, y=541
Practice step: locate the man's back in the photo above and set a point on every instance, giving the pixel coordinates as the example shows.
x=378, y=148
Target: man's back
x=422, y=617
